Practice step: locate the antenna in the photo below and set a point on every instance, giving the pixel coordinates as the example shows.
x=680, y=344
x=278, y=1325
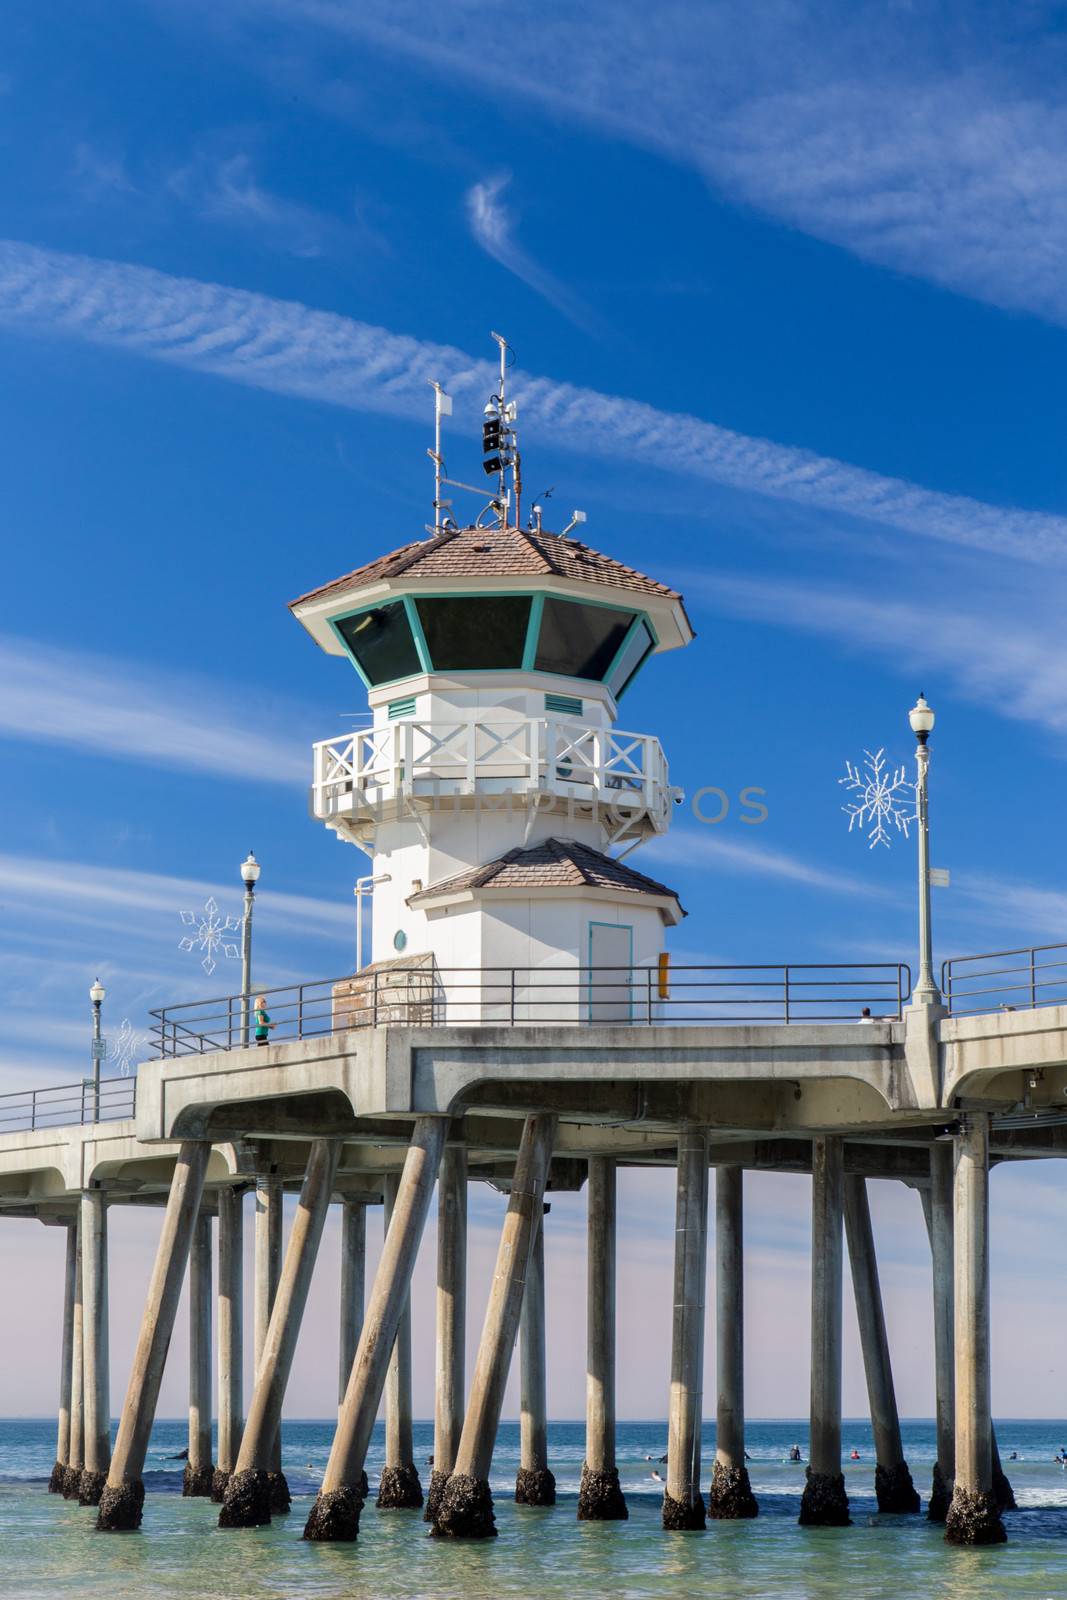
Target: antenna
x=499, y=441
x=576, y=517
x=442, y=407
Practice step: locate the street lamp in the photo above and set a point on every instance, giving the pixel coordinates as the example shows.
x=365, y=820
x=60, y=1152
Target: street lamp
x=250, y=870
x=96, y=995
x=921, y=717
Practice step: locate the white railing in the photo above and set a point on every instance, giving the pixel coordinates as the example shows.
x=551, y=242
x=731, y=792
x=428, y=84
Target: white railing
x=521, y=755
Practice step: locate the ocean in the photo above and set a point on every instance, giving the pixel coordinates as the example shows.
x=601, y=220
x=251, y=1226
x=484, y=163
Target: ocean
x=49, y=1549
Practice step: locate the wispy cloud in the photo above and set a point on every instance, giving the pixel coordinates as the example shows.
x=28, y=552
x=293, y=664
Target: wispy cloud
x=116, y=708
x=290, y=349
x=227, y=189
x=493, y=227
x=704, y=850
x=908, y=138
x=986, y=657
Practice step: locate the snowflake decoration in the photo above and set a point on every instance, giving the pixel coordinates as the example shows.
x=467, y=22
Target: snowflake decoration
x=880, y=791
x=129, y=1046
x=210, y=935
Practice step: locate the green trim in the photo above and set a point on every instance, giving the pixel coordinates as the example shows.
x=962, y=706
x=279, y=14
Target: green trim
x=630, y=966
x=417, y=633
x=343, y=642
x=402, y=708
x=533, y=633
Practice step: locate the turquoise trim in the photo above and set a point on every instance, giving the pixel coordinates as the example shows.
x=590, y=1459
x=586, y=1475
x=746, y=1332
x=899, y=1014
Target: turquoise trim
x=565, y=705
x=533, y=631
x=417, y=633
x=343, y=642
x=630, y=964
x=402, y=708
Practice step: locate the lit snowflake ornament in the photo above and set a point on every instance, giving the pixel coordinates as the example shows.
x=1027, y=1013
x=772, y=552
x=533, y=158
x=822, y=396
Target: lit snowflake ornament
x=129, y=1046
x=210, y=935
x=880, y=791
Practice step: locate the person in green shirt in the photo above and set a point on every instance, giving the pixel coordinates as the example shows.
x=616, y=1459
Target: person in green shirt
x=264, y=1025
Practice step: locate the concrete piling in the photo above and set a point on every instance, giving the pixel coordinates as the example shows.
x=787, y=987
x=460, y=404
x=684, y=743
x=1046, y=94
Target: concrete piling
x=336, y=1512
x=600, y=1499
x=973, y=1516
x=267, y=1273
x=123, y=1498
x=683, y=1503
x=892, y=1479
x=730, y=1496
x=451, y=1320
x=535, y=1484
x=399, y=1488
x=247, y=1500
x=72, y=1478
x=96, y=1373
x=824, y=1503
x=937, y=1209
x=230, y=1335
x=199, y=1467
x=466, y=1508
x=66, y=1356
x=353, y=1295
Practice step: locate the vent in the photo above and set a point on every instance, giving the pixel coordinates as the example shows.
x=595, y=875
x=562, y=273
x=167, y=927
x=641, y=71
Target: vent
x=402, y=708
x=565, y=705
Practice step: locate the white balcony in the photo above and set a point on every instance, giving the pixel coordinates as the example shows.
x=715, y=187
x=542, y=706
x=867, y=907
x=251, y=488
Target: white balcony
x=547, y=762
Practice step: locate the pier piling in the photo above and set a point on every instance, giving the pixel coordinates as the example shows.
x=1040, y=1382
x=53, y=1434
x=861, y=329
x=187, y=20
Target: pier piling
x=199, y=1467
x=230, y=1335
x=535, y=1484
x=267, y=1273
x=66, y=1356
x=937, y=1209
x=96, y=1426
x=451, y=1320
x=824, y=1503
x=730, y=1496
x=72, y=1478
x=600, y=1499
x=399, y=1488
x=683, y=1503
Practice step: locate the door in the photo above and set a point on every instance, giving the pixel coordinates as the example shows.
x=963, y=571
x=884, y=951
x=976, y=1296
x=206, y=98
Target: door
x=611, y=953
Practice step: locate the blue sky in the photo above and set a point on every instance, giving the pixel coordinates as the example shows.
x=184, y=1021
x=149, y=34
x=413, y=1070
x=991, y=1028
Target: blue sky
x=786, y=289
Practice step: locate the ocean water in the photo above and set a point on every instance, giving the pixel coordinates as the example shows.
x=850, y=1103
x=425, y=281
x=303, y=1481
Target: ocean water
x=49, y=1550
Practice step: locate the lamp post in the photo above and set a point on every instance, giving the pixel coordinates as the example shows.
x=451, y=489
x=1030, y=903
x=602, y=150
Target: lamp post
x=921, y=717
x=96, y=995
x=250, y=870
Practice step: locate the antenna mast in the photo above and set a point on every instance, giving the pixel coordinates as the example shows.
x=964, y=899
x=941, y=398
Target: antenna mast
x=442, y=407
x=499, y=441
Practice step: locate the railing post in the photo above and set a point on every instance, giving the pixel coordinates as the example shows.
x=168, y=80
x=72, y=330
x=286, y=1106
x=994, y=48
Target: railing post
x=512, y=1016
x=785, y=971
x=650, y=996
x=33, y=1109
x=1033, y=982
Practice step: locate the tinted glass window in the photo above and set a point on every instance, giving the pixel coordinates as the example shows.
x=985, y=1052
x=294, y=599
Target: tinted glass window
x=382, y=642
x=465, y=634
x=636, y=649
x=579, y=641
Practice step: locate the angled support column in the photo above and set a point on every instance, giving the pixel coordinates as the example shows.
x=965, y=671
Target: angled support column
x=66, y=1356
x=268, y=1267
x=231, y=1335
x=399, y=1488
x=824, y=1503
x=937, y=1209
x=247, y=1501
x=600, y=1499
x=535, y=1484
x=974, y=1516
x=353, y=1295
x=892, y=1479
x=683, y=1503
x=466, y=1510
x=123, y=1498
x=72, y=1478
x=451, y=1320
x=730, y=1497
x=199, y=1467
x=335, y=1514
x=97, y=1401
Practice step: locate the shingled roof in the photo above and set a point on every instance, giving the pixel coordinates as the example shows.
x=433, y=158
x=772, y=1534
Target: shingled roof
x=495, y=553
x=552, y=864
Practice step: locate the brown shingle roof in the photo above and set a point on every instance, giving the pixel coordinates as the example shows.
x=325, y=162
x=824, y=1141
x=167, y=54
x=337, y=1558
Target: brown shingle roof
x=553, y=864
x=495, y=553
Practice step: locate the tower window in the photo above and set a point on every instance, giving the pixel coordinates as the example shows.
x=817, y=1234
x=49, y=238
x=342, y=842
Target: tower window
x=579, y=641
x=470, y=633
x=381, y=642
x=633, y=653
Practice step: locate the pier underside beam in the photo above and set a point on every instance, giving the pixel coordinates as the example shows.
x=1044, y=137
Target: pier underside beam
x=336, y=1512
x=731, y=1494
x=824, y=1503
x=399, y=1489
x=892, y=1479
x=683, y=1503
x=123, y=1497
x=247, y=1500
x=600, y=1499
x=466, y=1509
